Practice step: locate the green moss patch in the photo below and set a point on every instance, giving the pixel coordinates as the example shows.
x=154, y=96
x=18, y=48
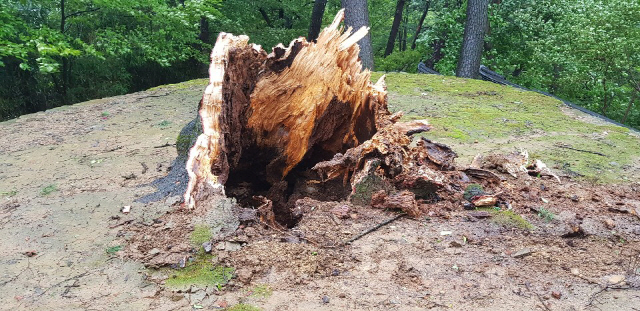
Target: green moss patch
x=508, y=219
x=243, y=307
x=200, y=272
x=201, y=233
x=182, y=85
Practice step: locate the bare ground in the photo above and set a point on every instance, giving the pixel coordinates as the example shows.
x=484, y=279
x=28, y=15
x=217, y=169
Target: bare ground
x=65, y=174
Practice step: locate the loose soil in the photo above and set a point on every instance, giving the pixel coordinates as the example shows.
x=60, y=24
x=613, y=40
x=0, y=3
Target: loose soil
x=65, y=175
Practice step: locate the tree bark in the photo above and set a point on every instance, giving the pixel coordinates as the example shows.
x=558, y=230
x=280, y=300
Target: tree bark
x=420, y=23
x=65, y=60
x=472, y=44
x=356, y=16
x=397, y=18
x=631, y=101
x=316, y=19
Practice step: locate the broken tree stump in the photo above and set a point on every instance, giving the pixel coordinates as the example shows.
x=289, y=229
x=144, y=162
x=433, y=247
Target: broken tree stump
x=266, y=115
x=272, y=122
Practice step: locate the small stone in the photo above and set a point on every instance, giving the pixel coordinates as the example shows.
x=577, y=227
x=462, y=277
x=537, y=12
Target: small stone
x=126, y=209
x=325, y=299
x=154, y=251
x=455, y=244
x=484, y=200
x=616, y=279
x=522, y=253
x=468, y=206
x=341, y=211
x=575, y=271
x=342, y=295
x=480, y=214
x=575, y=198
x=183, y=262
x=609, y=223
x=335, y=272
x=250, y=231
x=30, y=253
x=220, y=246
x=556, y=295
x=207, y=246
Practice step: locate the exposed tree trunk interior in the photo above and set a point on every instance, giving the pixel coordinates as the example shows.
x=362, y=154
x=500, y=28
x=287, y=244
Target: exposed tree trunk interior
x=397, y=18
x=268, y=118
x=356, y=16
x=316, y=19
x=473, y=41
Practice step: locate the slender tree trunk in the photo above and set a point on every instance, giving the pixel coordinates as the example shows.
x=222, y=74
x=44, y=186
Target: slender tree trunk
x=266, y=18
x=474, y=30
x=65, y=61
x=316, y=19
x=437, y=54
x=631, y=101
x=427, y=4
x=405, y=22
x=605, y=100
x=204, y=30
x=394, y=27
x=356, y=15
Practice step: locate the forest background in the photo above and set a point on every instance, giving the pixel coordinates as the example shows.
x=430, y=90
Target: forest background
x=58, y=52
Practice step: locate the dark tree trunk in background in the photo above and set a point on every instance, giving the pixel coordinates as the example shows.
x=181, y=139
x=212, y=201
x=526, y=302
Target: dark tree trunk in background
x=394, y=27
x=316, y=19
x=437, y=54
x=473, y=42
x=405, y=22
x=356, y=15
x=633, y=99
x=65, y=61
x=427, y=4
x=266, y=18
x=204, y=30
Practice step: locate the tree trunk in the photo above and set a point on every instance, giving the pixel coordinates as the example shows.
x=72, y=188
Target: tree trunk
x=316, y=19
x=420, y=23
x=65, y=61
x=265, y=16
x=356, y=16
x=397, y=18
x=605, y=98
x=405, y=22
x=437, y=54
x=631, y=101
x=474, y=30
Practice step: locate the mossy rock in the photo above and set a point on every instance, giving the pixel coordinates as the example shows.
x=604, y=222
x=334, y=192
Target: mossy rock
x=188, y=136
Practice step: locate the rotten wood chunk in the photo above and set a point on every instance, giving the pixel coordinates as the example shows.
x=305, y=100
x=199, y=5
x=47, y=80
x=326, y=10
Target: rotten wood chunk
x=264, y=116
x=484, y=200
x=405, y=201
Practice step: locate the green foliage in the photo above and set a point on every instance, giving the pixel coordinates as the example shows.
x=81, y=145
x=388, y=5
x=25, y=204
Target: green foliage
x=406, y=61
x=545, y=214
x=114, y=249
x=9, y=193
x=49, y=189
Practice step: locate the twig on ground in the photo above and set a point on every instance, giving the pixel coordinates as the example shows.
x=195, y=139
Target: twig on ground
x=65, y=280
x=581, y=150
x=165, y=145
x=378, y=226
x=537, y=295
x=603, y=289
x=289, y=234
